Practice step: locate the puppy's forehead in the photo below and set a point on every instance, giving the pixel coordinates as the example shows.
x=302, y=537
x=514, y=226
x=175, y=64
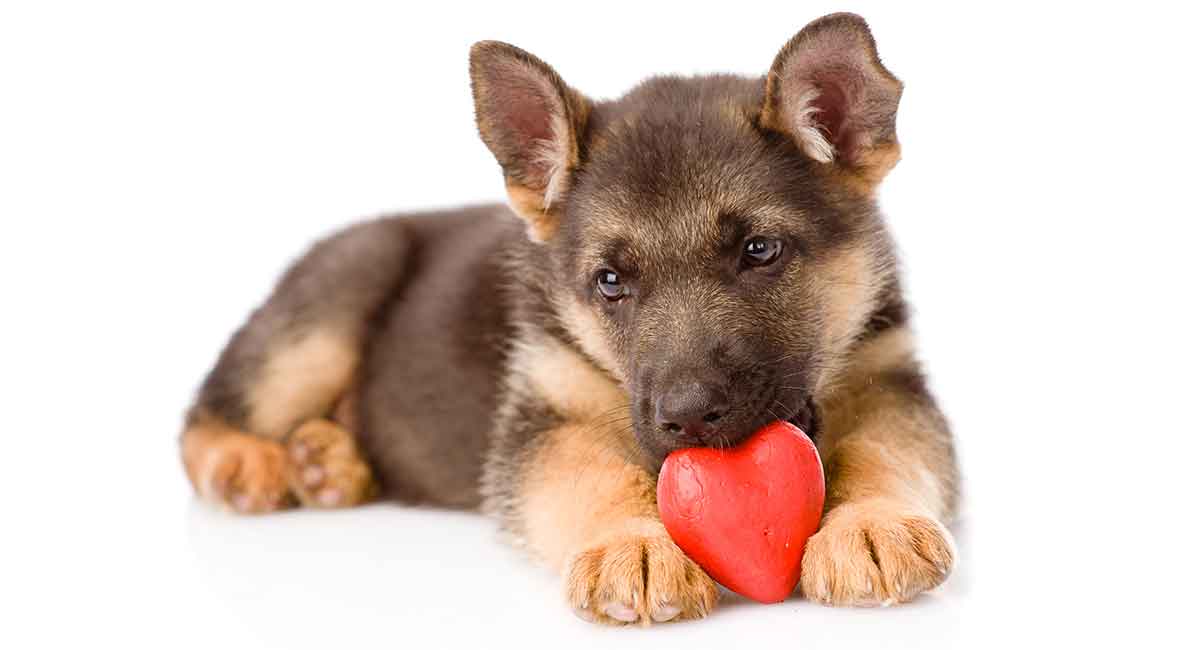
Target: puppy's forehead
x=693, y=230
x=680, y=166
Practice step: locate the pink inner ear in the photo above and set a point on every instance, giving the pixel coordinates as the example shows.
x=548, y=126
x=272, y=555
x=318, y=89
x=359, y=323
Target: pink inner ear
x=526, y=112
x=524, y=108
x=831, y=111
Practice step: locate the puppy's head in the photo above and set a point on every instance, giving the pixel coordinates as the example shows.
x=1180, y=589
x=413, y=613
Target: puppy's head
x=714, y=239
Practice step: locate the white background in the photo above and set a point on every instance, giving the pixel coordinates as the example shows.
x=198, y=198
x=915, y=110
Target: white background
x=161, y=163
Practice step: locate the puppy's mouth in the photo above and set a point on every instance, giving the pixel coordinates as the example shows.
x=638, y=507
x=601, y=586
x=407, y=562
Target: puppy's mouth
x=655, y=448
x=807, y=418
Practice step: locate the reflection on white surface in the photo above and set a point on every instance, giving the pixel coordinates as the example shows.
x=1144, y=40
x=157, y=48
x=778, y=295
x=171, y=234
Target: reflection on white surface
x=311, y=579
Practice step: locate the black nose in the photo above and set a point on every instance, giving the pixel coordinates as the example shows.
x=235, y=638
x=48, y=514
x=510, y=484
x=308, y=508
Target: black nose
x=691, y=408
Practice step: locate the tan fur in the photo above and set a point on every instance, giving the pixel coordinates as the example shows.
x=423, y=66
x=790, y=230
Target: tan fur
x=847, y=283
x=540, y=222
x=886, y=351
x=875, y=552
x=567, y=382
x=302, y=379
x=643, y=575
x=872, y=167
x=327, y=469
x=582, y=487
x=591, y=514
x=241, y=471
x=585, y=327
x=880, y=436
x=321, y=466
x=882, y=540
x=589, y=511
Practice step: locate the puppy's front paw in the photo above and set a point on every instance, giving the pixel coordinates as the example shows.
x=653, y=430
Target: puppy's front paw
x=875, y=553
x=327, y=469
x=640, y=576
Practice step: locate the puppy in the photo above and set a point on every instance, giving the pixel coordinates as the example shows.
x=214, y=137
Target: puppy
x=676, y=268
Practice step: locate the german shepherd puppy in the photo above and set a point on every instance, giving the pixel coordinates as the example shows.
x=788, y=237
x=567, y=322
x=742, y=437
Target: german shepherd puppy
x=677, y=267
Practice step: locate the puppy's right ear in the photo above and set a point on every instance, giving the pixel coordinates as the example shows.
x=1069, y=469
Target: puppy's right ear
x=532, y=122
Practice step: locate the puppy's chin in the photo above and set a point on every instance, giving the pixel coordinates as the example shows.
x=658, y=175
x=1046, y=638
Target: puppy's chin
x=652, y=450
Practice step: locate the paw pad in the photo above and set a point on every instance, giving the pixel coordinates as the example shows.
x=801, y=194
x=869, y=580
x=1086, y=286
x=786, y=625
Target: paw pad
x=326, y=468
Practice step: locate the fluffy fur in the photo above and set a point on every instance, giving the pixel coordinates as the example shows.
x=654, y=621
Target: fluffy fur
x=467, y=358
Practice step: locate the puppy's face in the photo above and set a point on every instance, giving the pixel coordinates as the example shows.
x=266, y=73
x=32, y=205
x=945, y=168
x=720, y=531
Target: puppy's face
x=722, y=271
x=714, y=237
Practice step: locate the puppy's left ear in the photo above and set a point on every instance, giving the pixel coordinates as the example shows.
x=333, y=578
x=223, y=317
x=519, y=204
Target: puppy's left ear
x=533, y=123
x=829, y=92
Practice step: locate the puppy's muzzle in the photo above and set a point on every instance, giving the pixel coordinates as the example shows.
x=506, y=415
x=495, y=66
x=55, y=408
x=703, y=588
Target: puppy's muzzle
x=691, y=411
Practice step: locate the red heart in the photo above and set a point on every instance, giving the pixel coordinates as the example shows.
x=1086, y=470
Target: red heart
x=745, y=514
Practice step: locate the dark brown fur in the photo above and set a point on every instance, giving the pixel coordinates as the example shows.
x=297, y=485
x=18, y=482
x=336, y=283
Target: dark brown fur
x=477, y=366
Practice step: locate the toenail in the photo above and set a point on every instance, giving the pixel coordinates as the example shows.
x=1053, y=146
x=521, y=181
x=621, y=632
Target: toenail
x=665, y=613
x=585, y=614
x=620, y=612
x=329, y=496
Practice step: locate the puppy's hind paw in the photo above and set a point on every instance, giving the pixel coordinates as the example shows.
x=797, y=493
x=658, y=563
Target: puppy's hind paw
x=326, y=469
x=244, y=473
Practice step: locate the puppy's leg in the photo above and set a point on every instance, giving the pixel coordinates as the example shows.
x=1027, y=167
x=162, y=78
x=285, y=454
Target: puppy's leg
x=289, y=366
x=584, y=508
x=892, y=484
x=562, y=478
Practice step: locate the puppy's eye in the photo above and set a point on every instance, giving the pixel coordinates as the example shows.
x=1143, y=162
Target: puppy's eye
x=609, y=284
x=761, y=251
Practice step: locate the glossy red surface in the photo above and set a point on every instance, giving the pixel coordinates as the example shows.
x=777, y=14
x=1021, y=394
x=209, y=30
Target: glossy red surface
x=745, y=514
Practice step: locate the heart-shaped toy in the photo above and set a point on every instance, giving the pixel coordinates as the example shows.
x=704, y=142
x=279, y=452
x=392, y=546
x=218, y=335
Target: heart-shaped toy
x=744, y=514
